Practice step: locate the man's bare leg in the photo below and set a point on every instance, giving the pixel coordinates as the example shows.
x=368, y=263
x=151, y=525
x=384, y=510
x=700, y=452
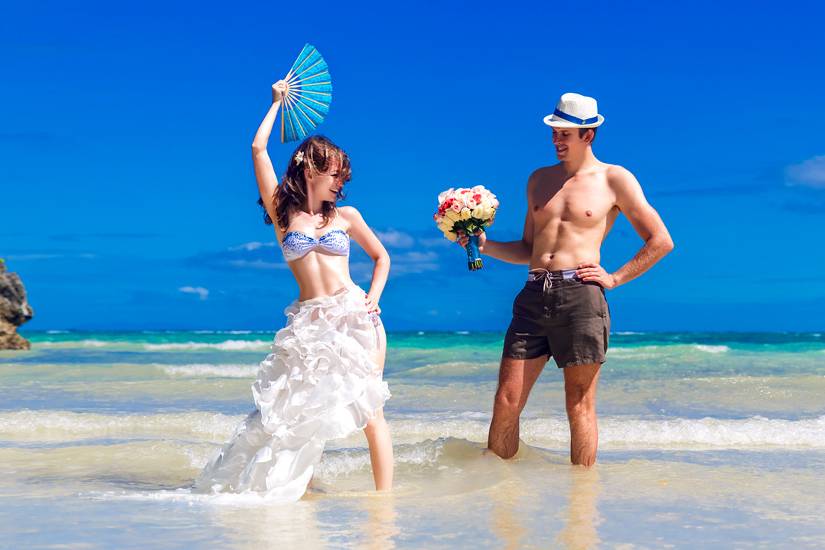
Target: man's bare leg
x=515, y=380
x=580, y=397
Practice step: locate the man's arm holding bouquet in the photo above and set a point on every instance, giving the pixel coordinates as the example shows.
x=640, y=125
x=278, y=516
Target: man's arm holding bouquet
x=514, y=252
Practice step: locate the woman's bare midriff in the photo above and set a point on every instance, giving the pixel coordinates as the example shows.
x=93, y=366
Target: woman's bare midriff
x=319, y=274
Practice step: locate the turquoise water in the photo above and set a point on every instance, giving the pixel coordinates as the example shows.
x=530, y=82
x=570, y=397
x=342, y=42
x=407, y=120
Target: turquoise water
x=712, y=440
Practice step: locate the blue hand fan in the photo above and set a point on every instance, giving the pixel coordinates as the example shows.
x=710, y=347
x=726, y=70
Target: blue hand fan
x=308, y=95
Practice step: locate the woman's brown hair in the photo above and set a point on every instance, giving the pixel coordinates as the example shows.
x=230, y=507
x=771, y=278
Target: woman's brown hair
x=319, y=155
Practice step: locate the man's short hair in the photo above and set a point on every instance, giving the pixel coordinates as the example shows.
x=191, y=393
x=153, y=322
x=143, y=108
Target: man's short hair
x=582, y=131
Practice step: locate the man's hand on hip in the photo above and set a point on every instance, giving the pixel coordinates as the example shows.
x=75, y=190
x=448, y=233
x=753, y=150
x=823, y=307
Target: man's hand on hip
x=596, y=273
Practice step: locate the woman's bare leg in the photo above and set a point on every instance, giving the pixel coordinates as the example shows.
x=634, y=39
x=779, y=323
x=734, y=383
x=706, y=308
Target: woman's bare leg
x=377, y=430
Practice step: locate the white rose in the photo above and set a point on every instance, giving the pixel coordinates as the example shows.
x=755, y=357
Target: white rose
x=465, y=214
x=479, y=212
x=452, y=215
x=444, y=195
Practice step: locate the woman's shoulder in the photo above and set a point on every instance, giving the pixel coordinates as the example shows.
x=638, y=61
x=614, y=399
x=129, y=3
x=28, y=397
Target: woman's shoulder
x=349, y=213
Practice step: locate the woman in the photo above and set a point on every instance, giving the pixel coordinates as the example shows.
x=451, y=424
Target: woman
x=323, y=378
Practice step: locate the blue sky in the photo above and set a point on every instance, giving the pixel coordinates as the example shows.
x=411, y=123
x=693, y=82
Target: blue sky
x=128, y=198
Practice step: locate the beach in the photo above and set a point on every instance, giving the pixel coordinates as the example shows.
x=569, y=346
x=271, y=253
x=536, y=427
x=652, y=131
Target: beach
x=706, y=440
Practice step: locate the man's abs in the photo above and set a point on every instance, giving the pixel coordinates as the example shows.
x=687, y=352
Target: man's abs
x=565, y=249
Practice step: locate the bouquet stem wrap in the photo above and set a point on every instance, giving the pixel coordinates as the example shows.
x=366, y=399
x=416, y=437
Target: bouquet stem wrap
x=474, y=262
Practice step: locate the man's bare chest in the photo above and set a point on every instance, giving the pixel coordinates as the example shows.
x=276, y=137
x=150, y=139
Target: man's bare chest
x=583, y=203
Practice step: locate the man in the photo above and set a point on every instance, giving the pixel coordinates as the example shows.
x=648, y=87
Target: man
x=562, y=312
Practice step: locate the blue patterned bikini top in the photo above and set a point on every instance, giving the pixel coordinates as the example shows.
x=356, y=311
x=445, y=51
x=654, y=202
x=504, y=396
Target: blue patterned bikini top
x=296, y=244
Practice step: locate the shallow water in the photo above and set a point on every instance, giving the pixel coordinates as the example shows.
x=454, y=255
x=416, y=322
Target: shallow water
x=712, y=440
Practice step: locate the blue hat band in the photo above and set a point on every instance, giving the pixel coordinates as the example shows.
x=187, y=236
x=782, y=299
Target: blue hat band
x=574, y=119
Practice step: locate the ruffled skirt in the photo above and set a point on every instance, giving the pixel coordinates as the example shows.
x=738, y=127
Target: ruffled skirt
x=319, y=383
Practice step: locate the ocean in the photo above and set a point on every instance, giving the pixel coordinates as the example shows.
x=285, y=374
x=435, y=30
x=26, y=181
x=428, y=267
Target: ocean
x=707, y=440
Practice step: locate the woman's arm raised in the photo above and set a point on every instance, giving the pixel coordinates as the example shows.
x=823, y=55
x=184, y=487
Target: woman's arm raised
x=264, y=172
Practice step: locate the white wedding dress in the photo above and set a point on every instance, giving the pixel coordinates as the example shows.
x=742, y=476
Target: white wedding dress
x=319, y=383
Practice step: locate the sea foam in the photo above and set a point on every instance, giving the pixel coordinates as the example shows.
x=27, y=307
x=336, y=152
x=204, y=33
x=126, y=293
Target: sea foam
x=712, y=349
x=29, y=425
x=226, y=345
x=89, y=343
x=614, y=431
x=203, y=370
x=633, y=432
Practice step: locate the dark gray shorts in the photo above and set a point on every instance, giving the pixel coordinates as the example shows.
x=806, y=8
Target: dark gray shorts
x=558, y=315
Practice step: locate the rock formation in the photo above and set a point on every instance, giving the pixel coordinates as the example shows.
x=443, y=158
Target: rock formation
x=14, y=310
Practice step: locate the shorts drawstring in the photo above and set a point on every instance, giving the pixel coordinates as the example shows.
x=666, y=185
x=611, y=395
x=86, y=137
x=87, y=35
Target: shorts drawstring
x=547, y=276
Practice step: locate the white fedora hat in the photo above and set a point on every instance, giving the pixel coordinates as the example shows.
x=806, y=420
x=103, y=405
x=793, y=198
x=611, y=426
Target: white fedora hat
x=575, y=111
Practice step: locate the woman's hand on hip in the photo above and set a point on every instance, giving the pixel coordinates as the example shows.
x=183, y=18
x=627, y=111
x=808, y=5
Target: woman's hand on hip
x=372, y=303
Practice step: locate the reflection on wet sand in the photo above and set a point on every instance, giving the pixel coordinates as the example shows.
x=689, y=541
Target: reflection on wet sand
x=293, y=525
x=508, y=517
x=579, y=530
x=381, y=528
x=521, y=499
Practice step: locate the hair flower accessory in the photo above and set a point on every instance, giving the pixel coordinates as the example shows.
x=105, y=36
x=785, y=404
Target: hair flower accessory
x=299, y=157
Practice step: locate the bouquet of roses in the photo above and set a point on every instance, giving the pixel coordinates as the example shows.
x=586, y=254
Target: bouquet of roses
x=467, y=210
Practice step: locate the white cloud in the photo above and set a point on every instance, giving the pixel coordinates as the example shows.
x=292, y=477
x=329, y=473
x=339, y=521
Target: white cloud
x=254, y=245
x=810, y=173
x=406, y=269
x=403, y=263
x=414, y=256
x=396, y=239
x=203, y=293
x=435, y=242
